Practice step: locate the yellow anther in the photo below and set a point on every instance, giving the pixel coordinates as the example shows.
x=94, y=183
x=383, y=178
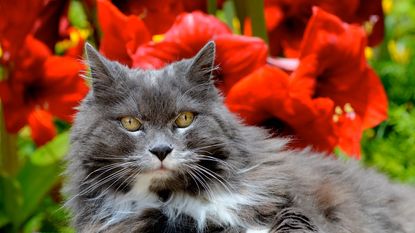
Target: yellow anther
x=338, y=110
x=387, y=6
x=74, y=36
x=1, y=52
x=84, y=33
x=368, y=25
x=236, y=25
x=336, y=118
x=348, y=108
x=368, y=53
x=158, y=38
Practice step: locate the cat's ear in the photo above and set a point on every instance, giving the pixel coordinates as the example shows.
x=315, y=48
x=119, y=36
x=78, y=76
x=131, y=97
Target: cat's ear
x=100, y=68
x=202, y=66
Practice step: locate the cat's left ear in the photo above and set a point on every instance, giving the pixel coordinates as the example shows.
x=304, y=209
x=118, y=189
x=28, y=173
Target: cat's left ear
x=106, y=75
x=202, y=66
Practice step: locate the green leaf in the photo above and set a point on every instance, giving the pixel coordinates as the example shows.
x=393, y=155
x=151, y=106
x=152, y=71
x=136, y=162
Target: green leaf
x=211, y=5
x=256, y=13
x=11, y=199
x=40, y=174
x=253, y=9
x=36, y=181
x=53, y=151
x=230, y=18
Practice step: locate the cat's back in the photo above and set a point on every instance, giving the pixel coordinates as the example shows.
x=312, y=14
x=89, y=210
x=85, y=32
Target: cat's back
x=339, y=195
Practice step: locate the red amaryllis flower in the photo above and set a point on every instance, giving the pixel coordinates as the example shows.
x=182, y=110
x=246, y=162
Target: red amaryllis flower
x=46, y=20
x=328, y=101
x=40, y=86
x=333, y=65
x=159, y=15
x=52, y=22
x=264, y=98
x=121, y=34
x=287, y=20
x=14, y=27
x=236, y=56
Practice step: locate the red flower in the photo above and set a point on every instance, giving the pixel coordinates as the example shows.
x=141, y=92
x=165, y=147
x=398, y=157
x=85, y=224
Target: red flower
x=52, y=22
x=159, y=15
x=236, y=56
x=40, y=86
x=287, y=20
x=264, y=98
x=328, y=101
x=46, y=20
x=333, y=65
x=121, y=34
x=14, y=26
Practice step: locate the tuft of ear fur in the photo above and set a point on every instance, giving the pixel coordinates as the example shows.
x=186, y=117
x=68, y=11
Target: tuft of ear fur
x=102, y=72
x=202, y=66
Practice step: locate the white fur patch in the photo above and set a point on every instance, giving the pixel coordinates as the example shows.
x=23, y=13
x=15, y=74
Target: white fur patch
x=257, y=231
x=221, y=208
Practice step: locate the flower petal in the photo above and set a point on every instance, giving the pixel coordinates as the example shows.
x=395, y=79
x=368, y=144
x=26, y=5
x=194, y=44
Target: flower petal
x=238, y=56
x=288, y=32
x=121, y=34
x=345, y=77
x=14, y=26
x=252, y=96
x=63, y=85
x=191, y=31
x=263, y=98
x=41, y=126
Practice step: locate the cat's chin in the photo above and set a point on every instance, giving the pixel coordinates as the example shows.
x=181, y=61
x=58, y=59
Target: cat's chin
x=160, y=173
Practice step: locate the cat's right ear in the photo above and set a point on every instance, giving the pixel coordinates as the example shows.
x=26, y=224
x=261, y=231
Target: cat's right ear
x=100, y=71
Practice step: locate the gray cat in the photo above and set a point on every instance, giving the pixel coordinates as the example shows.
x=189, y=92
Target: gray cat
x=157, y=151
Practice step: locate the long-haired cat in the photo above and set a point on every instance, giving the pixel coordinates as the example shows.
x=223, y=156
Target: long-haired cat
x=157, y=151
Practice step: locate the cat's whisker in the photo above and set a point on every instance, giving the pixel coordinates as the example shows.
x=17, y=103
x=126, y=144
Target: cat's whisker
x=115, y=181
x=217, y=177
x=201, y=179
x=108, y=166
x=211, y=158
x=129, y=179
x=196, y=182
x=101, y=182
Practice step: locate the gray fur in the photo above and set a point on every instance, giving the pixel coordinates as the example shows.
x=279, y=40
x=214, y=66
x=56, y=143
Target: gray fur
x=248, y=180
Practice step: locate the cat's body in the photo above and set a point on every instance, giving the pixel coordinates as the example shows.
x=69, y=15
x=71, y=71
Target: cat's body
x=219, y=175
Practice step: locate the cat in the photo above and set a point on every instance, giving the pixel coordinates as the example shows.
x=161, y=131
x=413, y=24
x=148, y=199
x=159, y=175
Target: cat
x=158, y=151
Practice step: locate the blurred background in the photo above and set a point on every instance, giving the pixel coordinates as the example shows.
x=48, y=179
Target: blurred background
x=41, y=48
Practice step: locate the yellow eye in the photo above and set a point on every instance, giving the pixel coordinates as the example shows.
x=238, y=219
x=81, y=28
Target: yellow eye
x=184, y=119
x=130, y=123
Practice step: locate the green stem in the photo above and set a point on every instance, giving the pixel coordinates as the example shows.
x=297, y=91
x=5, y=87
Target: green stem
x=211, y=5
x=9, y=160
x=255, y=10
x=241, y=12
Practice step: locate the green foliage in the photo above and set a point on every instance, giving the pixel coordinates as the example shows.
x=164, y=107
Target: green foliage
x=390, y=146
x=23, y=196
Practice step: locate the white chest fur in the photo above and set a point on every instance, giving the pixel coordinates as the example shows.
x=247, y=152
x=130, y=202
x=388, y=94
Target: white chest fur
x=222, y=207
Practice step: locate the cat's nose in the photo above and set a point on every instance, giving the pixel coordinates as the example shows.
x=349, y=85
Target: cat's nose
x=161, y=151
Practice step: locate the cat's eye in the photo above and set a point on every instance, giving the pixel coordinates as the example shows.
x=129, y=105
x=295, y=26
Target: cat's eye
x=130, y=123
x=184, y=119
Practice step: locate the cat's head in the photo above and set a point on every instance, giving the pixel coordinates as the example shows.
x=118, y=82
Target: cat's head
x=168, y=126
